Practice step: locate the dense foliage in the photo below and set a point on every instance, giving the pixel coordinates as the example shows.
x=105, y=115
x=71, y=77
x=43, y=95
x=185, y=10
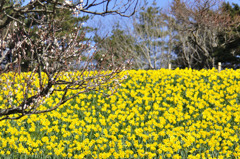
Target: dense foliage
x=156, y=114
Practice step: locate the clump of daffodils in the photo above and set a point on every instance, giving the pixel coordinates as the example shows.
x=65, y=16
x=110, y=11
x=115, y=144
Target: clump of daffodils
x=155, y=114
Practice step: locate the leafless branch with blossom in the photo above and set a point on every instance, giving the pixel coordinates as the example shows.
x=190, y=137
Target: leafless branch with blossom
x=50, y=55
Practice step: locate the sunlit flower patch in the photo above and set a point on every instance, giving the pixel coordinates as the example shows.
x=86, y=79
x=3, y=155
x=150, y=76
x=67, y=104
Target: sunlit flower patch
x=155, y=114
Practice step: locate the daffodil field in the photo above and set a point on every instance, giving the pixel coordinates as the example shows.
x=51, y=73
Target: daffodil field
x=155, y=114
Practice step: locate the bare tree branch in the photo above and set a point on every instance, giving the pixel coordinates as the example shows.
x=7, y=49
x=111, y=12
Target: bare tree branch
x=31, y=33
x=198, y=24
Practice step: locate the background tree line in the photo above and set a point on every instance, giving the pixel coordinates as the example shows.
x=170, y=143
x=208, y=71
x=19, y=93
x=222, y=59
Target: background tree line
x=196, y=34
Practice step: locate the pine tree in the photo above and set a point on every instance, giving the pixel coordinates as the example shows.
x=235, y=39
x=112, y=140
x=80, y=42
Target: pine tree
x=229, y=53
x=150, y=35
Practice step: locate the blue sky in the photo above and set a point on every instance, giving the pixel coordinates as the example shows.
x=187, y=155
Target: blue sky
x=105, y=23
x=108, y=21
x=164, y=3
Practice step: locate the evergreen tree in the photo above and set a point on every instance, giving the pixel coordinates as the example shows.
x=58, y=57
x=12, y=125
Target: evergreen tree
x=117, y=48
x=229, y=53
x=150, y=35
x=144, y=42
